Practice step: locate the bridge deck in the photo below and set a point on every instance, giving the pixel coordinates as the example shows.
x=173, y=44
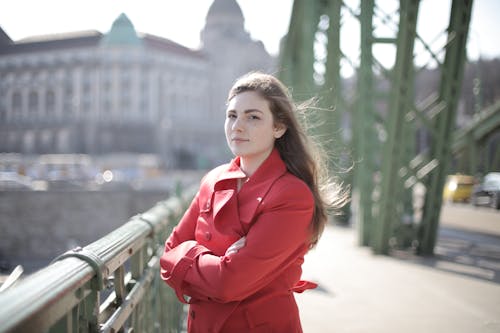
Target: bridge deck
x=456, y=291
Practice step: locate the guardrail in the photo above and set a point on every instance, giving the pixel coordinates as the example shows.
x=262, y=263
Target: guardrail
x=111, y=285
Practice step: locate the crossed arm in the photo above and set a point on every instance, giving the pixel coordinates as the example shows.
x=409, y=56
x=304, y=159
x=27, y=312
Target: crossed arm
x=278, y=238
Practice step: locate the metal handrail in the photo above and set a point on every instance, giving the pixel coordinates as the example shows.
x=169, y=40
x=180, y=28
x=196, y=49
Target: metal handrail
x=12, y=278
x=122, y=268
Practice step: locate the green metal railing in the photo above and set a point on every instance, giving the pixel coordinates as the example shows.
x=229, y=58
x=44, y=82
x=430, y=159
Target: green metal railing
x=111, y=285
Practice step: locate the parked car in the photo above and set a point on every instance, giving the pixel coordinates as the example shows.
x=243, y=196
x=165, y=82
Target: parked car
x=458, y=188
x=488, y=192
x=10, y=180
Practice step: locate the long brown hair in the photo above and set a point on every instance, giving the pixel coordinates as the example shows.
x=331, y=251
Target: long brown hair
x=300, y=154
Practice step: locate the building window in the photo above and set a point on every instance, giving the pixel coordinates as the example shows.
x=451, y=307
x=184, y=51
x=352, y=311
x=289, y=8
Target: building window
x=125, y=95
x=106, y=94
x=144, y=106
x=33, y=103
x=46, y=140
x=86, y=106
x=125, y=105
x=3, y=112
x=144, y=97
x=29, y=142
x=87, y=92
x=107, y=86
x=62, y=142
x=68, y=100
x=17, y=101
x=125, y=85
x=107, y=106
x=50, y=102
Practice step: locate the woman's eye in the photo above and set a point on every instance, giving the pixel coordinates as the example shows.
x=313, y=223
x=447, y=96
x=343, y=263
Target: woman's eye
x=253, y=117
x=231, y=116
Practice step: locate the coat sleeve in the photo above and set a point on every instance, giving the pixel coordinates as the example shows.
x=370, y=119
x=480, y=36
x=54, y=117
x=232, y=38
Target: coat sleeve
x=279, y=236
x=185, y=229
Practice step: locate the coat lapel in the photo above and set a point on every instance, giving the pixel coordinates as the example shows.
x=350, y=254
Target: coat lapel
x=230, y=206
x=225, y=212
x=220, y=200
x=253, y=193
x=224, y=201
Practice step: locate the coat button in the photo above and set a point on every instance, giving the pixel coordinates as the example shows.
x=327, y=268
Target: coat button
x=192, y=314
x=208, y=236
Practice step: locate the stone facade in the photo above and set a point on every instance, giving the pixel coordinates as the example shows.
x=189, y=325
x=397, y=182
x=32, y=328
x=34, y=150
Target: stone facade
x=123, y=91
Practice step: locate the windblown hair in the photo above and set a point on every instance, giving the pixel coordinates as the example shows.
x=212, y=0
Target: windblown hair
x=301, y=155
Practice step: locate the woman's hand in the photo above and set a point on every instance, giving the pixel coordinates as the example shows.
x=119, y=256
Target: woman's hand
x=236, y=246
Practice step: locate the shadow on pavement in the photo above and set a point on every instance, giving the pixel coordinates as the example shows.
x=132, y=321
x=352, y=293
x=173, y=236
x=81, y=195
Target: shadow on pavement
x=467, y=253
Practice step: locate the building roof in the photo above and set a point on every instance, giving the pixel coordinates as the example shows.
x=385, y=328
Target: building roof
x=122, y=33
x=164, y=44
x=224, y=21
x=71, y=40
x=225, y=8
x=4, y=38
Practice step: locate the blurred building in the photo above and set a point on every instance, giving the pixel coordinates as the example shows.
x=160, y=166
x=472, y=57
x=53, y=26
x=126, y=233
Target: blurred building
x=124, y=91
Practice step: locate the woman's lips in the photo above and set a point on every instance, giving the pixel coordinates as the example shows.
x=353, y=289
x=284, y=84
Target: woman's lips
x=239, y=140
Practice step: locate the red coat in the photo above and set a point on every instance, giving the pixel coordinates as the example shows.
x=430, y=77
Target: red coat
x=251, y=290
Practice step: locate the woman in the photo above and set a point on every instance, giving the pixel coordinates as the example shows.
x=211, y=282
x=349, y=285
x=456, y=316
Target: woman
x=238, y=250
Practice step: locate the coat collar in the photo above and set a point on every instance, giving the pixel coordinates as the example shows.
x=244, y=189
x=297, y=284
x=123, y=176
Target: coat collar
x=251, y=195
x=272, y=168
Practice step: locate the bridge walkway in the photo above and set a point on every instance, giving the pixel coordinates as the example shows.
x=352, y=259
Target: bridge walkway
x=457, y=291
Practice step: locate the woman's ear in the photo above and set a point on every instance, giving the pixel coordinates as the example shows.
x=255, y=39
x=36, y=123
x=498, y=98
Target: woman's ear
x=279, y=130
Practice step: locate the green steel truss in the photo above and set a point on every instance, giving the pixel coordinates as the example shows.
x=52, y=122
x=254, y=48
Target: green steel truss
x=392, y=206
x=390, y=178
x=444, y=123
x=310, y=18
x=476, y=148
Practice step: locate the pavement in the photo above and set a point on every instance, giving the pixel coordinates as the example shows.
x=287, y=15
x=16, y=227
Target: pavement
x=457, y=290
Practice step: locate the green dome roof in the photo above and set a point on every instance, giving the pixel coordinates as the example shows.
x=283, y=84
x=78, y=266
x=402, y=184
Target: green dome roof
x=122, y=33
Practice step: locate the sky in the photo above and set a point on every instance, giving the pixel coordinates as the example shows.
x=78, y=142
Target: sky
x=182, y=20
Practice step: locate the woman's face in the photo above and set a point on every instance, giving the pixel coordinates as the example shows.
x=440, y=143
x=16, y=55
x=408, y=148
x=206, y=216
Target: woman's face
x=250, y=129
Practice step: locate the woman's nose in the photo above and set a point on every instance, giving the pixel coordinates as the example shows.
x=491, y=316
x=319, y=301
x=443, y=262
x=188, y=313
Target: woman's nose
x=237, y=124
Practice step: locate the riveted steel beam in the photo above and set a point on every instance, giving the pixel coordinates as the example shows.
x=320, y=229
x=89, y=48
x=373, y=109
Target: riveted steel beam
x=395, y=151
x=449, y=90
